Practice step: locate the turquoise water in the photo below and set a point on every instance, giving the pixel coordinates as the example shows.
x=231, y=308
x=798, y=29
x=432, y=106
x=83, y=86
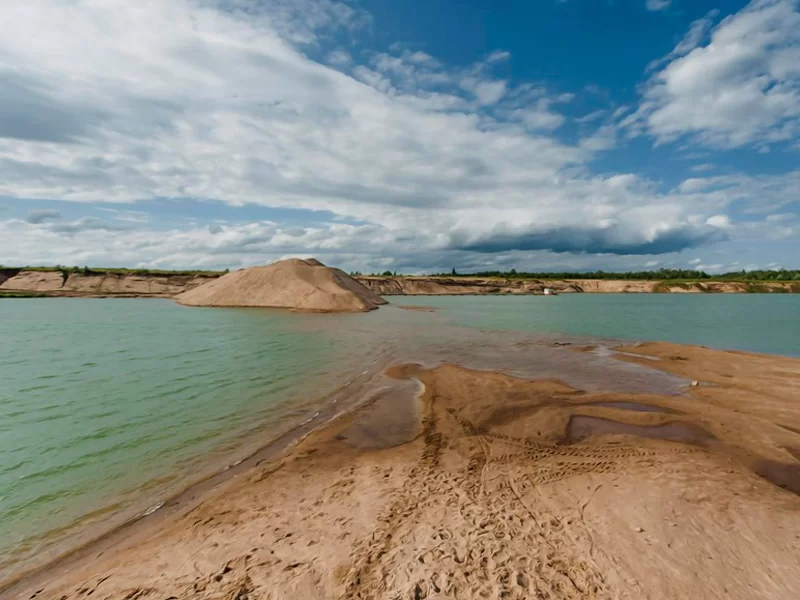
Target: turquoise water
x=751, y=322
x=108, y=406
x=103, y=401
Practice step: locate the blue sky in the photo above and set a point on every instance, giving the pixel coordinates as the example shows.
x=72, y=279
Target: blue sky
x=411, y=136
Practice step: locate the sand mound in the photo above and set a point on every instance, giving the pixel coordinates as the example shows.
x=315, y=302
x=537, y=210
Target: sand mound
x=294, y=283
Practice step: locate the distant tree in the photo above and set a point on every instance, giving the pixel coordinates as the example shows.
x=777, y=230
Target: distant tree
x=454, y=271
x=387, y=273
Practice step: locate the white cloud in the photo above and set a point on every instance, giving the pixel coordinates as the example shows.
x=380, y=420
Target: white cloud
x=592, y=116
x=339, y=58
x=719, y=221
x=755, y=194
x=488, y=92
x=656, y=5
x=179, y=99
x=741, y=88
x=712, y=268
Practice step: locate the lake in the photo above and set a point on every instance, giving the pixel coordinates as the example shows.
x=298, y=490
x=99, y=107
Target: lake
x=109, y=406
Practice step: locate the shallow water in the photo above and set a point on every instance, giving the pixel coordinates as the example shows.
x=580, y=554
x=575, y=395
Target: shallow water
x=751, y=322
x=635, y=406
x=107, y=407
x=583, y=426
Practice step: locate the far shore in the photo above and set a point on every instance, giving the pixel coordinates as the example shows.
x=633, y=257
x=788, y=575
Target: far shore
x=487, y=485
x=125, y=283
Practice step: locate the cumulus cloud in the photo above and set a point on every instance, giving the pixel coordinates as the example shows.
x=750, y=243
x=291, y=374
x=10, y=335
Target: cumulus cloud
x=740, y=88
x=220, y=101
x=42, y=216
x=656, y=5
x=614, y=239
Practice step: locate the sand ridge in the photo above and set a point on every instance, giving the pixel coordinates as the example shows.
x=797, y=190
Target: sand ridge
x=483, y=486
x=293, y=283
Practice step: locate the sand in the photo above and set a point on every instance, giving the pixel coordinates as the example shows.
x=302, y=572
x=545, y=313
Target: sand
x=450, y=286
x=297, y=284
x=491, y=486
x=165, y=284
x=98, y=284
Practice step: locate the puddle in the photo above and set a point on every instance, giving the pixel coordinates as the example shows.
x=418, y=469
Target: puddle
x=391, y=420
x=635, y=406
x=634, y=355
x=581, y=426
x=786, y=476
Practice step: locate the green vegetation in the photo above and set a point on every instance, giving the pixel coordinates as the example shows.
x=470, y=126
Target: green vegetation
x=66, y=271
x=677, y=275
x=674, y=276
x=15, y=294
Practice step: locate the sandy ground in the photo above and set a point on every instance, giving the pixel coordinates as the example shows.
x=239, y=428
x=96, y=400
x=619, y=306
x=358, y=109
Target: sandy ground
x=489, y=486
x=294, y=283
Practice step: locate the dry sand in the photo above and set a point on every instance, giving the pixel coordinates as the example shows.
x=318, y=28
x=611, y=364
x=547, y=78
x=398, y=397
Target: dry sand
x=489, y=486
x=298, y=284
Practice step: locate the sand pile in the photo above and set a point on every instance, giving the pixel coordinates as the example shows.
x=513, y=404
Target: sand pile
x=293, y=283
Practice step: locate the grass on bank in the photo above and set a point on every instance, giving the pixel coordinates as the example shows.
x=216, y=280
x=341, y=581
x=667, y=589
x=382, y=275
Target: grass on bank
x=671, y=276
x=66, y=271
x=18, y=294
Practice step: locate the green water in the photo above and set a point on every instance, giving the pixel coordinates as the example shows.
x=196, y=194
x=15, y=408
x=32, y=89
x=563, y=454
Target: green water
x=108, y=406
x=103, y=400
x=751, y=322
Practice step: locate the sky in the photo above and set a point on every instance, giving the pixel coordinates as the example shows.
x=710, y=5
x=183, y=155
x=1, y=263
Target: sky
x=408, y=135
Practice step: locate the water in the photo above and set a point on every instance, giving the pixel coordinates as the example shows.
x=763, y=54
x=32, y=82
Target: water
x=109, y=406
x=751, y=322
x=103, y=402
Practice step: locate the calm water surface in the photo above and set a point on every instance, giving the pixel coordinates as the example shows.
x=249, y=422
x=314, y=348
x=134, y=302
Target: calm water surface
x=751, y=322
x=108, y=406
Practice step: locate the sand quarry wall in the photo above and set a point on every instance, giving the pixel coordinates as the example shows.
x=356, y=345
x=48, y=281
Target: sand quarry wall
x=98, y=283
x=415, y=286
x=166, y=285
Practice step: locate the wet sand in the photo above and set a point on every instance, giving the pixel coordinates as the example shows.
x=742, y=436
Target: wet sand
x=462, y=483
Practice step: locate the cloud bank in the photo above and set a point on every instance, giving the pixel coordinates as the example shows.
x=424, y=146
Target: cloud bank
x=249, y=102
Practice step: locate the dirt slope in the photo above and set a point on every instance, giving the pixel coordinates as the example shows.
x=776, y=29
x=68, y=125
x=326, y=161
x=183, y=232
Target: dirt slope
x=445, y=286
x=98, y=283
x=293, y=283
x=34, y=281
x=116, y=284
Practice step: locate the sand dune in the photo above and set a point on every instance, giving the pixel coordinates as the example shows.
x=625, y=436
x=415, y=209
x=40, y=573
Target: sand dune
x=491, y=486
x=298, y=284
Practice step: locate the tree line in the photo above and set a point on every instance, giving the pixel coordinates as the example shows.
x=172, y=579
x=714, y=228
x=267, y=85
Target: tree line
x=660, y=275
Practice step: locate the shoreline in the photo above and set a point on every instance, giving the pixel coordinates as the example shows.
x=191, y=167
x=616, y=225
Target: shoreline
x=361, y=424
x=112, y=284
x=330, y=407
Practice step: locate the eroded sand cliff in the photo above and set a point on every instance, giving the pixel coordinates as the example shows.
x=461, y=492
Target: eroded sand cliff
x=113, y=284
x=445, y=286
x=103, y=284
